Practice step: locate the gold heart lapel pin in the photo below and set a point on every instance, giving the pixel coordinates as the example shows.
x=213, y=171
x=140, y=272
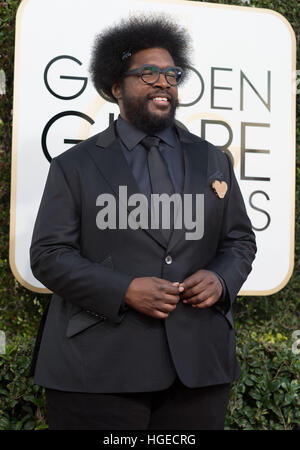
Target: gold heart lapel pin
x=219, y=188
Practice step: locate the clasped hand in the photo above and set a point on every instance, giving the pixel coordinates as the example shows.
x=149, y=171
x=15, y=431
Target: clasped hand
x=157, y=297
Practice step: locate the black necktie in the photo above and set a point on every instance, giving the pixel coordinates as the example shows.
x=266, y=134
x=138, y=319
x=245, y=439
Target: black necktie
x=159, y=176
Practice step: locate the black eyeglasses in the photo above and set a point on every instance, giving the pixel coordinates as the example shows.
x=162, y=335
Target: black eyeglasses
x=150, y=74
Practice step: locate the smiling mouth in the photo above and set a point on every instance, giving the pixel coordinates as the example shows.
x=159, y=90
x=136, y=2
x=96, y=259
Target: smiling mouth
x=160, y=101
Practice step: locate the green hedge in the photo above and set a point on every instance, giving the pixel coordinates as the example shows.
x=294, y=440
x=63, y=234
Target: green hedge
x=267, y=394
x=22, y=403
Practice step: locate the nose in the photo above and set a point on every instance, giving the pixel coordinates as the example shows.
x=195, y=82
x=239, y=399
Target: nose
x=162, y=82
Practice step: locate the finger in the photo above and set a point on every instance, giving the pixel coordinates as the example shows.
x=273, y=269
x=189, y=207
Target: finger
x=180, y=286
x=198, y=298
x=197, y=289
x=208, y=286
x=160, y=314
x=199, y=276
x=200, y=291
x=194, y=279
x=170, y=288
x=166, y=308
x=205, y=304
x=170, y=299
x=189, y=282
x=165, y=286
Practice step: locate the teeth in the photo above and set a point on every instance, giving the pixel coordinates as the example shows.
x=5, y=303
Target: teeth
x=160, y=98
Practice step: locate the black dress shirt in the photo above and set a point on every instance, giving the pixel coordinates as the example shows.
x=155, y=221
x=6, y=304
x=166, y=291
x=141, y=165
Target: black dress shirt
x=136, y=155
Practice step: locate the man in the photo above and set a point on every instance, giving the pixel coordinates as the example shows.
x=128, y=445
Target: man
x=139, y=333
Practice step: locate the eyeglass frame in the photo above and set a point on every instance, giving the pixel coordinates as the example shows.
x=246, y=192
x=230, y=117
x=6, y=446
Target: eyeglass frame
x=139, y=70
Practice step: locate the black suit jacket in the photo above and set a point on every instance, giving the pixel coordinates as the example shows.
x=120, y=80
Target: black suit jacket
x=90, y=342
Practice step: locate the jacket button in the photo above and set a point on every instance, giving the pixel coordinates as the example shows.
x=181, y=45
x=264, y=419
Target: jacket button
x=168, y=259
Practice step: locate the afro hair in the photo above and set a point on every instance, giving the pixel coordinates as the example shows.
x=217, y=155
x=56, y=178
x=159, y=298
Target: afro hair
x=114, y=46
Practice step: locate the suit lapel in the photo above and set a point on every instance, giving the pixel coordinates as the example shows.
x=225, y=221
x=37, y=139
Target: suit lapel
x=112, y=164
x=195, y=161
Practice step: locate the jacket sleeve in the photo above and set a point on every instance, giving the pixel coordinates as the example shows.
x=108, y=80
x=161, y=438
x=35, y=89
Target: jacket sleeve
x=55, y=254
x=237, y=244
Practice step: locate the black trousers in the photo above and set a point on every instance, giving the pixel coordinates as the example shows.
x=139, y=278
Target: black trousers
x=177, y=407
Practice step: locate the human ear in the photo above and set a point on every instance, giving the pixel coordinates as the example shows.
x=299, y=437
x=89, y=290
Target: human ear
x=116, y=91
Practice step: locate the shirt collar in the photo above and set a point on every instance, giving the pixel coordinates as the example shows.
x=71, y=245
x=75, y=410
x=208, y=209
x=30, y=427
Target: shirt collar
x=128, y=133
x=131, y=136
x=168, y=135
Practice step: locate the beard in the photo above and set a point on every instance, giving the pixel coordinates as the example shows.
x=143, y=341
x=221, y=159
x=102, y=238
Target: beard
x=138, y=114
